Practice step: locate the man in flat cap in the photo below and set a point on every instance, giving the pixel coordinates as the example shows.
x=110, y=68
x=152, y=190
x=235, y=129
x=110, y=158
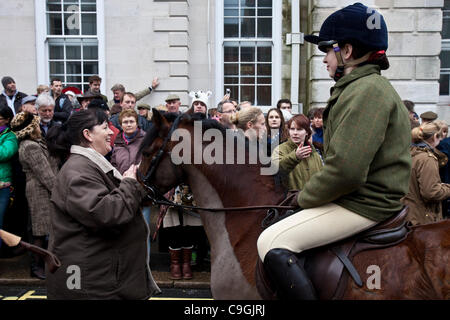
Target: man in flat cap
x=173, y=103
x=428, y=116
x=143, y=110
x=11, y=97
x=28, y=104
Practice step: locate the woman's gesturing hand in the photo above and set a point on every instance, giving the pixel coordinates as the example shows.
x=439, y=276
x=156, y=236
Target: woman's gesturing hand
x=303, y=152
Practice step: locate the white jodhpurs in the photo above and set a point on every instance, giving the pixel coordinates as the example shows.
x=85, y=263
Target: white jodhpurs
x=311, y=228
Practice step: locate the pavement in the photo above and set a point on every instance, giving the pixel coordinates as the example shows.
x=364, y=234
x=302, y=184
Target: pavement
x=15, y=271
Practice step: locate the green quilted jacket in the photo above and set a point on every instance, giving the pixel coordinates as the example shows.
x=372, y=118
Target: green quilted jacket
x=8, y=148
x=367, y=136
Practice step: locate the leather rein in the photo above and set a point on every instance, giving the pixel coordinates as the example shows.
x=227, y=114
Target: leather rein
x=158, y=198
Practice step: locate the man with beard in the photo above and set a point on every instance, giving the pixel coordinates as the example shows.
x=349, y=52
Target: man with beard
x=45, y=106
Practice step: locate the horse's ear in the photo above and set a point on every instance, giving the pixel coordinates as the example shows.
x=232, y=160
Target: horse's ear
x=158, y=119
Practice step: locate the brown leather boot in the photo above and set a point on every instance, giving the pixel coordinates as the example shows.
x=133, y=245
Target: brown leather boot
x=187, y=255
x=175, y=264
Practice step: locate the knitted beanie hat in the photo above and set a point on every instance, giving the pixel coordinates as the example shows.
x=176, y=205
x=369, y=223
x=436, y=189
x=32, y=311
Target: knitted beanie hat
x=7, y=80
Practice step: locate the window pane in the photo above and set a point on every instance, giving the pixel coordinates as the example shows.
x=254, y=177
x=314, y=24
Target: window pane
x=88, y=7
x=264, y=69
x=89, y=24
x=91, y=68
x=231, y=12
x=264, y=80
x=231, y=69
x=247, y=54
x=231, y=3
x=247, y=27
x=248, y=12
x=231, y=28
x=444, y=85
x=231, y=54
x=231, y=80
x=90, y=52
x=54, y=6
x=56, y=52
x=445, y=59
x=248, y=80
x=264, y=12
x=264, y=3
x=73, y=67
x=248, y=94
x=54, y=23
x=71, y=24
x=264, y=96
x=446, y=26
x=264, y=54
x=248, y=3
x=57, y=68
x=74, y=79
x=265, y=27
x=73, y=52
x=247, y=69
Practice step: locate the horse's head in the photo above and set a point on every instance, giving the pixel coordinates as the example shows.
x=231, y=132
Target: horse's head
x=156, y=172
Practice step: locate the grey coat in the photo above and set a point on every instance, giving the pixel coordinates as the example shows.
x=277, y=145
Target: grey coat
x=40, y=171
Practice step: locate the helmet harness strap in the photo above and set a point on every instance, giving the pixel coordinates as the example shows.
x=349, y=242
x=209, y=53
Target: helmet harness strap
x=341, y=63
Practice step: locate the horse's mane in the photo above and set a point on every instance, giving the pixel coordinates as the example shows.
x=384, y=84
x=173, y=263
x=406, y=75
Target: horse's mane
x=187, y=118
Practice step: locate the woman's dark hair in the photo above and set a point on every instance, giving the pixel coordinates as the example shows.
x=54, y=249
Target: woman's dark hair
x=284, y=134
x=61, y=137
x=360, y=50
x=6, y=113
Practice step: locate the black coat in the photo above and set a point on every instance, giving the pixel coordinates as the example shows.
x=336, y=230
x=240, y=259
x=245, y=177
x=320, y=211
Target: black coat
x=17, y=102
x=63, y=108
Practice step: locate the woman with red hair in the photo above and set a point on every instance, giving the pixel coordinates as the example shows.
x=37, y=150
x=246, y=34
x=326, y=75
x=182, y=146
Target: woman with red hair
x=297, y=159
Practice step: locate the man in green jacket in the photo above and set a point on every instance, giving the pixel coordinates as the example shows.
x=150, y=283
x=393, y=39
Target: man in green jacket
x=366, y=152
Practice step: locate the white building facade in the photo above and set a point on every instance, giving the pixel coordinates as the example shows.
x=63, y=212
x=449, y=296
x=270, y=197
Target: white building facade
x=254, y=48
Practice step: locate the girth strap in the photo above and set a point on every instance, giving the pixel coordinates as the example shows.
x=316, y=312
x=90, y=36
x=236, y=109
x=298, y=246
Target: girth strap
x=348, y=264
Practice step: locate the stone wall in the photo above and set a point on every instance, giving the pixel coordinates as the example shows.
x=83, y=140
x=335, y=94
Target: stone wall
x=18, y=55
x=414, y=48
x=145, y=39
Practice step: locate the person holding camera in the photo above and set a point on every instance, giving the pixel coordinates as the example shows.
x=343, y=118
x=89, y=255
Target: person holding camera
x=297, y=159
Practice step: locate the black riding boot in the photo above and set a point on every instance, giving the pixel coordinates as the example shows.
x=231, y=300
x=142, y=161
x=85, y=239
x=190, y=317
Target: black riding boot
x=288, y=276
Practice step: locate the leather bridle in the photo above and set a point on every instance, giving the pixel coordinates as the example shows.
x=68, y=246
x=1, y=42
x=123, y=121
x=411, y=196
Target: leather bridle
x=158, y=198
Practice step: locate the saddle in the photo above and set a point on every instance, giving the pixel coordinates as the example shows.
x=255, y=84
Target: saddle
x=330, y=266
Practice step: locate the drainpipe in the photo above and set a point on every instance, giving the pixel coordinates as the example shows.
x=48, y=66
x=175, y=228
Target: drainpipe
x=295, y=39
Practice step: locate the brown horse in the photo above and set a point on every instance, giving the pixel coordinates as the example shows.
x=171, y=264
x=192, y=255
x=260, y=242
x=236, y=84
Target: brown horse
x=417, y=268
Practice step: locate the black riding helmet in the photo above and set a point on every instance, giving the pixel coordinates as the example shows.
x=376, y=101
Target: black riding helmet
x=356, y=24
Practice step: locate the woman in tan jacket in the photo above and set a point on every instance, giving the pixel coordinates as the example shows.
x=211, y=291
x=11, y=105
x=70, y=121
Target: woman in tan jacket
x=426, y=191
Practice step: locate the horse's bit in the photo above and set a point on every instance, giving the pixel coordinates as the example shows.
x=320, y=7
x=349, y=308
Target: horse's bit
x=158, y=198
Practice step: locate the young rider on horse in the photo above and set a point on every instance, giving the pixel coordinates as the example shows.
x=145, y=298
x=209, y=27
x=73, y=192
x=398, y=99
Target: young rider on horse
x=366, y=146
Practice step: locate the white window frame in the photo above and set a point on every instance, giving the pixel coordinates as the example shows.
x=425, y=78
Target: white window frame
x=276, y=51
x=42, y=55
